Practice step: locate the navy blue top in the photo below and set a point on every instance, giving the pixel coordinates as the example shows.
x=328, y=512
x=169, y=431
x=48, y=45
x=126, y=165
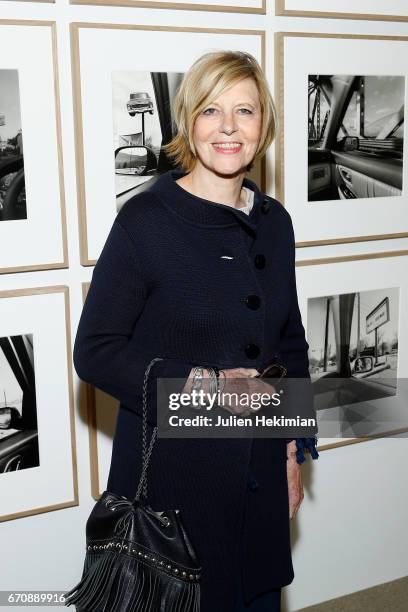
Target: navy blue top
x=162, y=287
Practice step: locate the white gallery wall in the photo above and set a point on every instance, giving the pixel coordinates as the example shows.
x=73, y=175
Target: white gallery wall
x=351, y=532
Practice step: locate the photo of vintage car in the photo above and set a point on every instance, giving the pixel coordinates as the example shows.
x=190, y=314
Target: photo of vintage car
x=142, y=124
x=139, y=102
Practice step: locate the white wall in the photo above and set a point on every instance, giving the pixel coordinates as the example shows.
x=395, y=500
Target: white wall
x=351, y=532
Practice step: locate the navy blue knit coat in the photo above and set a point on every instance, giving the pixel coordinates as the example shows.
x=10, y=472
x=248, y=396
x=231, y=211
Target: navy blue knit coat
x=161, y=288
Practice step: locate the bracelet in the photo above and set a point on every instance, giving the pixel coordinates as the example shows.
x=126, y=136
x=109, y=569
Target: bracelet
x=213, y=374
x=218, y=371
x=197, y=383
x=225, y=379
x=217, y=377
x=213, y=380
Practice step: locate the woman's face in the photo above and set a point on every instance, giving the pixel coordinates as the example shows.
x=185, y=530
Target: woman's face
x=227, y=131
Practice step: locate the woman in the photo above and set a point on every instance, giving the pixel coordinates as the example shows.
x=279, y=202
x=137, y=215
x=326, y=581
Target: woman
x=199, y=270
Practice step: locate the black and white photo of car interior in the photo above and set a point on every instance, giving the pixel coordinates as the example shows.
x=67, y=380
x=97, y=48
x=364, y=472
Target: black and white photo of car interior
x=355, y=136
x=12, y=183
x=18, y=407
x=142, y=124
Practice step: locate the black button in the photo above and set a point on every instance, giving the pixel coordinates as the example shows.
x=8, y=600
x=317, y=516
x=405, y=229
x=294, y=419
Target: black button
x=252, y=483
x=260, y=261
x=252, y=351
x=253, y=301
x=265, y=206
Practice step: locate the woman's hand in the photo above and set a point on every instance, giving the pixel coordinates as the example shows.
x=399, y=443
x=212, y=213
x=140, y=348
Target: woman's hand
x=295, y=486
x=237, y=381
x=242, y=381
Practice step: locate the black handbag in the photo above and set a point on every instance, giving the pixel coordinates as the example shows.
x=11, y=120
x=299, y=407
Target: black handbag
x=137, y=559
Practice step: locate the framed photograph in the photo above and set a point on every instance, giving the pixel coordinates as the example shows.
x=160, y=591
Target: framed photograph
x=233, y=6
x=31, y=174
x=101, y=410
x=384, y=10
x=355, y=327
x=37, y=429
x=341, y=168
x=119, y=140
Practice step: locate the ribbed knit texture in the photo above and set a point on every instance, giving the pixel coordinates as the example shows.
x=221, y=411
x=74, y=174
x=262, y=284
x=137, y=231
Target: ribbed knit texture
x=301, y=443
x=172, y=282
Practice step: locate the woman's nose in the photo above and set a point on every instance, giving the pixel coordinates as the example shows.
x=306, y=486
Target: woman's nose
x=227, y=124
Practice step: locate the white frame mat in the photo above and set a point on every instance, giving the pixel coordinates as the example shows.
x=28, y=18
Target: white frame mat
x=238, y=6
x=52, y=485
x=337, y=221
x=92, y=72
x=385, y=10
x=362, y=275
x=23, y=244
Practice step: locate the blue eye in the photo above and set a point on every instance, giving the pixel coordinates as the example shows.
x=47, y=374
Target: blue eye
x=211, y=111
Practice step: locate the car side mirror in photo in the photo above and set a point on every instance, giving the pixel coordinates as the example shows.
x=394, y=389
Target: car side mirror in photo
x=136, y=160
x=350, y=143
x=9, y=418
x=363, y=365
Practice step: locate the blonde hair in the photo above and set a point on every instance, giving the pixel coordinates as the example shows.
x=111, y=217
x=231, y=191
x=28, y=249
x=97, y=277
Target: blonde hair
x=206, y=79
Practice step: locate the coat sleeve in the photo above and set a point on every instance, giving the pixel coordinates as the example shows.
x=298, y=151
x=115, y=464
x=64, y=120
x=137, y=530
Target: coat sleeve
x=293, y=349
x=103, y=353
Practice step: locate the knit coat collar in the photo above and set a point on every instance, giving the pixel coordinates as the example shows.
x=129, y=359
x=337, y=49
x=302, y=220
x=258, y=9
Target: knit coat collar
x=202, y=212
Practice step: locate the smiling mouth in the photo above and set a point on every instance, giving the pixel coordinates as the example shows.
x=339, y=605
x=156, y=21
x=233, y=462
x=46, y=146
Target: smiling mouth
x=227, y=147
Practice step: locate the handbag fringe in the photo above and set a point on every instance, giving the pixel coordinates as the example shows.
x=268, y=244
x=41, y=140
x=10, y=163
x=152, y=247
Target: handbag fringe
x=113, y=582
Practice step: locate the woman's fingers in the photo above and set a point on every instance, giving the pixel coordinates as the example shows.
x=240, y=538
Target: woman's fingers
x=240, y=372
x=241, y=381
x=296, y=507
x=295, y=486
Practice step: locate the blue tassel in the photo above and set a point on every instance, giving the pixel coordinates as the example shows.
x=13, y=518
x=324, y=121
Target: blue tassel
x=301, y=444
x=310, y=444
x=300, y=453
